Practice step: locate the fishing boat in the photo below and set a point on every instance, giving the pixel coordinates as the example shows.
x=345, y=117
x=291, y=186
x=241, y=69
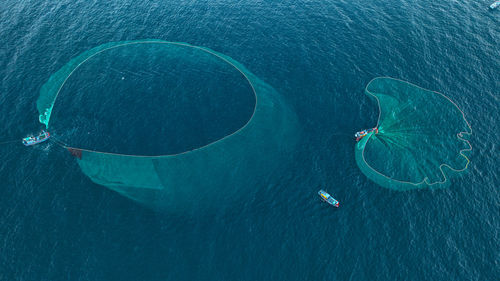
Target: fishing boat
x=328, y=198
x=495, y=5
x=43, y=136
x=362, y=134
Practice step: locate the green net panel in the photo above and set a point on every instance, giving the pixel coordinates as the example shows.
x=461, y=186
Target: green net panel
x=421, y=139
x=207, y=175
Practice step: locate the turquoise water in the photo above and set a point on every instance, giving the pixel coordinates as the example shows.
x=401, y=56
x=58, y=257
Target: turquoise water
x=56, y=224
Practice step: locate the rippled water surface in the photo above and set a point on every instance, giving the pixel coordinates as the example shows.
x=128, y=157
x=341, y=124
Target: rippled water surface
x=55, y=224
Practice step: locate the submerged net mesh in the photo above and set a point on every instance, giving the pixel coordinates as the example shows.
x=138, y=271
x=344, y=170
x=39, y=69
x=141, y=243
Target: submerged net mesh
x=211, y=173
x=420, y=141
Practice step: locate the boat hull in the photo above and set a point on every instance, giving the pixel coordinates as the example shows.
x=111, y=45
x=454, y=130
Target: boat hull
x=29, y=141
x=328, y=198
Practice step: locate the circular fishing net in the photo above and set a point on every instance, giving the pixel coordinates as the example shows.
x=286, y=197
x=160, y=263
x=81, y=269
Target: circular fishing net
x=421, y=139
x=195, y=173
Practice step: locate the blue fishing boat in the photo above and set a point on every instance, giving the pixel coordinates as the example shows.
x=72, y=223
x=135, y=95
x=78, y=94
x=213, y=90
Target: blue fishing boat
x=43, y=136
x=495, y=5
x=328, y=198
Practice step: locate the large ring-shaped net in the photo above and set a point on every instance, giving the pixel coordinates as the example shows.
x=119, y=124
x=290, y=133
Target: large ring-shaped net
x=208, y=174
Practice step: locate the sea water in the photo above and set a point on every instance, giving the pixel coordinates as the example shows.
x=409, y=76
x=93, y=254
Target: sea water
x=55, y=224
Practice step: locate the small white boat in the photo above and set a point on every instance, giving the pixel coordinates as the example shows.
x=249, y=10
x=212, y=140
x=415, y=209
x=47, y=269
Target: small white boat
x=495, y=5
x=362, y=134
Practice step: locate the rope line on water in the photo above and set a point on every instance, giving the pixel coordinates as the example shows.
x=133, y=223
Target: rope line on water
x=342, y=135
x=11, y=141
x=59, y=142
x=241, y=70
x=56, y=141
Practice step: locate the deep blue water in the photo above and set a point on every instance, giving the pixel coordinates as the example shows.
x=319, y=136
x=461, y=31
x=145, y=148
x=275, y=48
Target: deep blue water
x=55, y=224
